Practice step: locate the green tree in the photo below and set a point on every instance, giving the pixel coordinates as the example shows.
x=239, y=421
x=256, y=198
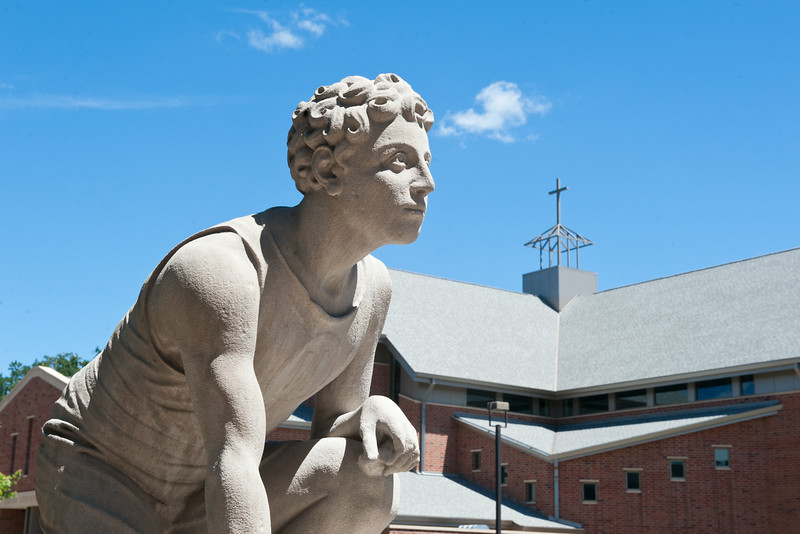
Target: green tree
x=66, y=363
x=6, y=482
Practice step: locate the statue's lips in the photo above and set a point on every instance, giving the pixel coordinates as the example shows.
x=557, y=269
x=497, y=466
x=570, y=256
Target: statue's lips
x=416, y=210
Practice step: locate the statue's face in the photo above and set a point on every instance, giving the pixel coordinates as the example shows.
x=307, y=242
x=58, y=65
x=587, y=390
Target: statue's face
x=386, y=185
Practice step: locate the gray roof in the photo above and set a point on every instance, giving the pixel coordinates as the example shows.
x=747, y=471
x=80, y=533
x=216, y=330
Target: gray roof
x=447, y=499
x=573, y=441
x=728, y=317
x=443, y=328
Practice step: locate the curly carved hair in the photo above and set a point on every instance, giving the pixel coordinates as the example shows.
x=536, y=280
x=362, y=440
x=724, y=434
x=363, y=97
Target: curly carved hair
x=344, y=111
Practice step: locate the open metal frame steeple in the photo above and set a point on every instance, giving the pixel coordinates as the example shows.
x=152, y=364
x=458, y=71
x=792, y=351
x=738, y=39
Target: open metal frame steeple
x=559, y=240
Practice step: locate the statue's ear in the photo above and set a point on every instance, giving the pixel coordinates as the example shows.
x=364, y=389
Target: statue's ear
x=322, y=164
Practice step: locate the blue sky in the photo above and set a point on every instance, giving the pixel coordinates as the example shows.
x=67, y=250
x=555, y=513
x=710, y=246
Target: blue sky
x=127, y=126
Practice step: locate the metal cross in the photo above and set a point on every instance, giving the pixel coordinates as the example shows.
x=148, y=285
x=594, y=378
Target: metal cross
x=557, y=193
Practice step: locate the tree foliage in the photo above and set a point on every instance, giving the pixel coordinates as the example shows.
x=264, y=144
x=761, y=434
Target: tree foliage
x=6, y=481
x=66, y=363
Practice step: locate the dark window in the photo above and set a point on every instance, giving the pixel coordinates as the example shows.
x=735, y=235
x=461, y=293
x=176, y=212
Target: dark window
x=504, y=474
x=567, y=408
x=714, y=389
x=518, y=403
x=633, y=481
x=672, y=394
x=593, y=404
x=13, y=453
x=544, y=407
x=394, y=381
x=677, y=470
x=722, y=458
x=589, y=492
x=476, y=460
x=748, y=385
x=479, y=398
x=632, y=399
x=530, y=491
x=28, y=447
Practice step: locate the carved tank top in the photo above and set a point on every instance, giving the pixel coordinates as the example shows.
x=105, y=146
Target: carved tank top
x=133, y=410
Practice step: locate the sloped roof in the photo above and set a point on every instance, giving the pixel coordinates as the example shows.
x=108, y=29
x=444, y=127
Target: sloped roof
x=573, y=441
x=732, y=316
x=452, y=329
x=51, y=376
x=436, y=499
x=737, y=314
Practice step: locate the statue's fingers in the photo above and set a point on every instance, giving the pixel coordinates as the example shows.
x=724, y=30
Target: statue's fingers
x=369, y=441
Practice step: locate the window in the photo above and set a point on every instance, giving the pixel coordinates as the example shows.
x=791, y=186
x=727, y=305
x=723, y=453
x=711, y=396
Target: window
x=748, y=385
x=567, y=408
x=722, y=457
x=714, y=389
x=632, y=399
x=677, y=469
x=672, y=394
x=544, y=407
x=530, y=491
x=504, y=474
x=593, y=404
x=26, y=468
x=476, y=460
x=589, y=491
x=478, y=398
x=518, y=403
x=13, y=452
x=633, y=481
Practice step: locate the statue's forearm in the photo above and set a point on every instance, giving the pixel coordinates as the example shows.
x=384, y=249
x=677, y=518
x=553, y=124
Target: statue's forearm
x=236, y=500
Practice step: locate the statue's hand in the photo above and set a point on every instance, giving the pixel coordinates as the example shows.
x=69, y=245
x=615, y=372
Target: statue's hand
x=390, y=440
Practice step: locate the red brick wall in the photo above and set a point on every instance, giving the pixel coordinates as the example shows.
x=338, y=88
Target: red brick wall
x=760, y=494
x=381, y=377
x=12, y=521
x=37, y=399
x=289, y=434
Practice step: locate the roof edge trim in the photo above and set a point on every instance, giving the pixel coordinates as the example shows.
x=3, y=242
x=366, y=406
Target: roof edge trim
x=51, y=376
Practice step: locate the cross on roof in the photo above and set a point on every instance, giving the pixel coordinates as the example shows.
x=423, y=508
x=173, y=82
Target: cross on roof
x=558, y=240
x=557, y=192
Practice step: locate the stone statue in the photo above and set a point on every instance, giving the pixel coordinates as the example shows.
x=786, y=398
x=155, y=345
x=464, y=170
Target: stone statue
x=164, y=431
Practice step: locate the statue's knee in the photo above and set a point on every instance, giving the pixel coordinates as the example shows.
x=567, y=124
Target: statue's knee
x=374, y=493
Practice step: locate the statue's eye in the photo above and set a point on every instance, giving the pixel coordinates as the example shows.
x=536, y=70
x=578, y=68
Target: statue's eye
x=399, y=160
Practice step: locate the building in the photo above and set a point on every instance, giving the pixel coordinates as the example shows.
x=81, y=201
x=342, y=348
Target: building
x=22, y=413
x=666, y=406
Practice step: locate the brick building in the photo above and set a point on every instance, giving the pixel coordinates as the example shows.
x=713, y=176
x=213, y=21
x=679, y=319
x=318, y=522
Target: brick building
x=667, y=406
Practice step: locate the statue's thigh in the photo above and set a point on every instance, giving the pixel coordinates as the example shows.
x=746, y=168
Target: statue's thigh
x=78, y=492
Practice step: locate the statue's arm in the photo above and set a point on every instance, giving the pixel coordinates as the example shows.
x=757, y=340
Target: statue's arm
x=344, y=407
x=203, y=308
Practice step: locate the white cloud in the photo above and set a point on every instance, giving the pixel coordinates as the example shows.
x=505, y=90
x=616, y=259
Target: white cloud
x=278, y=38
x=49, y=101
x=303, y=22
x=503, y=107
x=312, y=20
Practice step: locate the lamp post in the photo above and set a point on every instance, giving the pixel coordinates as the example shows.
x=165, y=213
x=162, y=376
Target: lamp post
x=502, y=407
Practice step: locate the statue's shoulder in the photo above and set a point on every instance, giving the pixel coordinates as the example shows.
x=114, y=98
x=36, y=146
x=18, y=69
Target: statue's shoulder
x=234, y=244
x=209, y=259
x=380, y=284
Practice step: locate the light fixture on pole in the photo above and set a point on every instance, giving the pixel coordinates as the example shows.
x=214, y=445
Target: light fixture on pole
x=502, y=407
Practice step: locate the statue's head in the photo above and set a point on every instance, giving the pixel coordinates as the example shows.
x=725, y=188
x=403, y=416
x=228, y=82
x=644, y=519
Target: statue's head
x=340, y=117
